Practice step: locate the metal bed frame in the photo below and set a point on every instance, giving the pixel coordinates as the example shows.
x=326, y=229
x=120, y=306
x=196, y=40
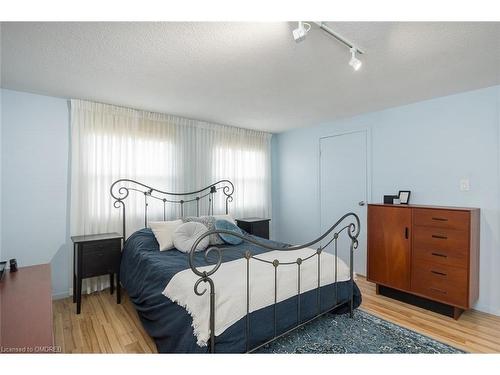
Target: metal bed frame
x=348, y=224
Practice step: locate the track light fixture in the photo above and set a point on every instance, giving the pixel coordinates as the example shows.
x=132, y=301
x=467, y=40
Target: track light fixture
x=299, y=34
x=355, y=62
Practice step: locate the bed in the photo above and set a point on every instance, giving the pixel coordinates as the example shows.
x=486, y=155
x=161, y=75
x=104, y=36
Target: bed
x=231, y=298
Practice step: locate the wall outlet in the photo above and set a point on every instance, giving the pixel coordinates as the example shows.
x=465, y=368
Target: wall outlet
x=464, y=184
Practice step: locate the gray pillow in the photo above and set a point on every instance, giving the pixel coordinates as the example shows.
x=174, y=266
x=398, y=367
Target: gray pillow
x=209, y=222
x=186, y=235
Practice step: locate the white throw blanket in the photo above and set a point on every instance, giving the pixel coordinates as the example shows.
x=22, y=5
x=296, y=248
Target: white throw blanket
x=230, y=287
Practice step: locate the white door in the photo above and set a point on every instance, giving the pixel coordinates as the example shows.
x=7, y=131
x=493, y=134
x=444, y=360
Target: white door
x=344, y=187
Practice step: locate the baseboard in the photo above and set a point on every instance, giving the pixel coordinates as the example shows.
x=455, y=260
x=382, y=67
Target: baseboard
x=61, y=295
x=487, y=310
x=69, y=293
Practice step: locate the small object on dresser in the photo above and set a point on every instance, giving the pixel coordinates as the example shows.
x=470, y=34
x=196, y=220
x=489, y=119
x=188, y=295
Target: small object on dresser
x=2, y=269
x=404, y=196
x=255, y=225
x=389, y=199
x=13, y=265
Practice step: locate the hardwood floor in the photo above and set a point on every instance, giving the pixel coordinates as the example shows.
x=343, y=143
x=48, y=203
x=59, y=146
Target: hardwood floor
x=474, y=332
x=105, y=327
x=102, y=327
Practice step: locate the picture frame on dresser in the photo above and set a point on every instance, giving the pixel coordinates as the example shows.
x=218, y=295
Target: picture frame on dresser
x=404, y=196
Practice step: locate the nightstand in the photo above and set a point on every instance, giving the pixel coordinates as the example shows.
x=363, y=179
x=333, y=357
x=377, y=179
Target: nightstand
x=96, y=255
x=255, y=225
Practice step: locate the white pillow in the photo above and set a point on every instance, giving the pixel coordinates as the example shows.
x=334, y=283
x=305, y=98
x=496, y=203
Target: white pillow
x=227, y=217
x=164, y=232
x=187, y=234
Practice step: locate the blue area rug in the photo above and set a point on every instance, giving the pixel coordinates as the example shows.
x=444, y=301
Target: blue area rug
x=364, y=333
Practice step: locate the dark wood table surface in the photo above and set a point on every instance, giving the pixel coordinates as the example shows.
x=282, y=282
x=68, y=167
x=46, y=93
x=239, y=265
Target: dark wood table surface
x=26, y=309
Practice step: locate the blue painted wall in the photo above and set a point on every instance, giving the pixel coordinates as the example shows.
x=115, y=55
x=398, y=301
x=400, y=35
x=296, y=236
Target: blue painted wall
x=426, y=147
x=35, y=171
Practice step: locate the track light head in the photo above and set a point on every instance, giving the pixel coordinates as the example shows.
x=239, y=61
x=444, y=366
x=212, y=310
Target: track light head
x=299, y=34
x=355, y=62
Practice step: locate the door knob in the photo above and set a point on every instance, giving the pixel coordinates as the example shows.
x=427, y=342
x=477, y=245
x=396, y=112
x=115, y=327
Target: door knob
x=361, y=203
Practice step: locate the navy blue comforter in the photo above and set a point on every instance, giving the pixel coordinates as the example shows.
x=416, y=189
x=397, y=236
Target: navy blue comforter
x=145, y=272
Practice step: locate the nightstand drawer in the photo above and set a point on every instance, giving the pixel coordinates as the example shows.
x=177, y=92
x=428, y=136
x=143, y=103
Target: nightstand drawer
x=101, y=258
x=95, y=263
x=101, y=246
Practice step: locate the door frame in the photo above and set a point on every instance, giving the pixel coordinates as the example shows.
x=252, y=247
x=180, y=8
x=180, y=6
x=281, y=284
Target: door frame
x=368, y=137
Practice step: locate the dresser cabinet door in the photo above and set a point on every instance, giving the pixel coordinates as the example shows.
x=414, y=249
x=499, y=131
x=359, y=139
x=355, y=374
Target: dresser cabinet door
x=389, y=246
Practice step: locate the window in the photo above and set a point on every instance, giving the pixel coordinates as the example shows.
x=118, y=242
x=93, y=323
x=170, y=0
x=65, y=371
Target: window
x=169, y=153
x=249, y=171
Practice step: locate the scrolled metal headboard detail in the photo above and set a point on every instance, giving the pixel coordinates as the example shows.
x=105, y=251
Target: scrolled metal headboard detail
x=331, y=236
x=121, y=189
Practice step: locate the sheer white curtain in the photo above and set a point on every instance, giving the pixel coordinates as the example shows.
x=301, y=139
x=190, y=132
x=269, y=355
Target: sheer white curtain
x=167, y=152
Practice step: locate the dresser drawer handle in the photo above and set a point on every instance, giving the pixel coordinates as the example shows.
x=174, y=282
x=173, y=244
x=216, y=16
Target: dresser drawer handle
x=438, y=290
x=440, y=255
x=438, y=273
x=440, y=237
x=439, y=219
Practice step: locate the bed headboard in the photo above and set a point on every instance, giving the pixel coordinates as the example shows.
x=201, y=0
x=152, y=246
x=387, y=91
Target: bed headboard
x=121, y=189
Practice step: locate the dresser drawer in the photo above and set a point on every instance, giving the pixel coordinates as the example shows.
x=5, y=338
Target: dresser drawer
x=441, y=283
x=440, y=257
x=441, y=239
x=446, y=219
x=441, y=246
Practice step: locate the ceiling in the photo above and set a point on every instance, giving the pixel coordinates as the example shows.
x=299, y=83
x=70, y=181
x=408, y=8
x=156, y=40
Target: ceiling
x=251, y=75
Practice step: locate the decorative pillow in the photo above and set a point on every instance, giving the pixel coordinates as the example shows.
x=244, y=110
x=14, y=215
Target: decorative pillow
x=227, y=217
x=209, y=222
x=164, y=231
x=227, y=225
x=187, y=234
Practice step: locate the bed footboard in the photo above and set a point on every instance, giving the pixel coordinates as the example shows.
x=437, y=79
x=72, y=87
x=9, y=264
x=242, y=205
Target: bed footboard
x=348, y=225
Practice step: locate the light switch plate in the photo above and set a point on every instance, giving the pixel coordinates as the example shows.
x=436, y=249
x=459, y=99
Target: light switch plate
x=464, y=184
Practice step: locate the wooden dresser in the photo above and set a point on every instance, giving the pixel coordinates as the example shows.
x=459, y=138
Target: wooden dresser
x=426, y=251
x=26, y=311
